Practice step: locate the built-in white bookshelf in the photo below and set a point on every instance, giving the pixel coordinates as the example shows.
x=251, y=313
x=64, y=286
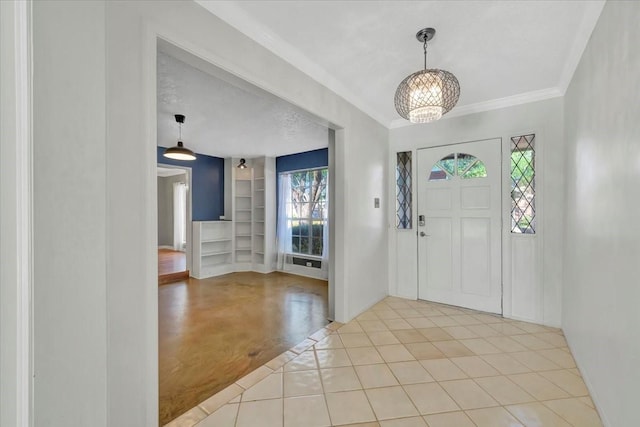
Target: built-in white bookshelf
x=250, y=204
x=264, y=202
x=243, y=218
x=212, y=248
x=258, y=212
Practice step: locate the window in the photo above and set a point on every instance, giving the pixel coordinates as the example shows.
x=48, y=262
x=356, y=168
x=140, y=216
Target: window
x=307, y=210
x=523, y=184
x=403, y=190
x=463, y=165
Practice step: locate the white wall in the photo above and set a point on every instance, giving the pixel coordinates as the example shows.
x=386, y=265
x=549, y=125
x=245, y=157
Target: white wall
x=534, y=296
x=601, y=293
x=69, y=202
x=96, y=260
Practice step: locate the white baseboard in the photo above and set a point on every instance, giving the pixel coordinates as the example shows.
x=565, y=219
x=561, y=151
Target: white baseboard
x=242, y=267
x=592, y=391
x=261, y=268
x=537, y=322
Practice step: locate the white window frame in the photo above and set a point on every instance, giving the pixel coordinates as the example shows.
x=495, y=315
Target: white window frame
x=290, y=219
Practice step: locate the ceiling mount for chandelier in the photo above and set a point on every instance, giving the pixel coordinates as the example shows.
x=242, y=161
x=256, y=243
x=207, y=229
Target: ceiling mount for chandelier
x=428, y=94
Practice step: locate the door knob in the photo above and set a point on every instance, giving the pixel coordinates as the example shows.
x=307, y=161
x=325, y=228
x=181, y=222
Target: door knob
x=423, y=234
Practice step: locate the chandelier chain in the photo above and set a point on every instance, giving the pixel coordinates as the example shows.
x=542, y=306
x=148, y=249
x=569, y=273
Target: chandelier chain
x=425, y=53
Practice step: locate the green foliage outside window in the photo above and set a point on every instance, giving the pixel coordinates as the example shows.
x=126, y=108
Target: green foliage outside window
x=522, y=166
x=523, y=210
x=308, y=211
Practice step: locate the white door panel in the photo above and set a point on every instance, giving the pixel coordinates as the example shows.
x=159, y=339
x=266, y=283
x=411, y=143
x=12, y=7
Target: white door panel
x=475, y=236
x=439, y=253
x=475, y=197
x=439, y=199
x=459, y=243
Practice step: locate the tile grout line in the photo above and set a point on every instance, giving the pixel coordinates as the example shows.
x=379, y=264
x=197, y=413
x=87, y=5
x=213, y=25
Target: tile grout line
x=324, y=392
x=235, y=421
x=560, y=415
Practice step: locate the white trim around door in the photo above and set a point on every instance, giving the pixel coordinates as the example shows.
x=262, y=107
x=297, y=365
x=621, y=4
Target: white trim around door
x=16, y=271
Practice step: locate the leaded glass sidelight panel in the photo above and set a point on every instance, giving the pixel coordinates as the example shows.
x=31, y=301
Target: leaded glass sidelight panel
x=523, y=184
x=403, y=190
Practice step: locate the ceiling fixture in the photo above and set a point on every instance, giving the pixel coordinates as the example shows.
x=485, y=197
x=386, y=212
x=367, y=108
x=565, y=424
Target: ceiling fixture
x=179, y=152
x=428, y=94
x=242, y=164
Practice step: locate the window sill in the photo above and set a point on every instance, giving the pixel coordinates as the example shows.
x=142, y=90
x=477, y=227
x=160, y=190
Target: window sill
x=314, y=257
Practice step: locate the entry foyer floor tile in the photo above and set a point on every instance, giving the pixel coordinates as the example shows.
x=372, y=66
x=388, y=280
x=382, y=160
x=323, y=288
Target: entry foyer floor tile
x=472, y=370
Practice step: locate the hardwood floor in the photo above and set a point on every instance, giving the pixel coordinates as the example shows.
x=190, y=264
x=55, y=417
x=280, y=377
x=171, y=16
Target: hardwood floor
x=172, y=266
x=214, y=331
x=170, y=261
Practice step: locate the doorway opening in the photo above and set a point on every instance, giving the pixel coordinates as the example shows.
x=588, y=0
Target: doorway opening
x=174, y=213
x=245, y=301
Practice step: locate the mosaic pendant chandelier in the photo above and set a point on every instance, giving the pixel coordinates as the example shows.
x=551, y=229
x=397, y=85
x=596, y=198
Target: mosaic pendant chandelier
x=428, y=94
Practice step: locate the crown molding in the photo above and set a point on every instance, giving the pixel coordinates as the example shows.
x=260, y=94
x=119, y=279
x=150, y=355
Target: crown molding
x=241, y=21
x=494, y=104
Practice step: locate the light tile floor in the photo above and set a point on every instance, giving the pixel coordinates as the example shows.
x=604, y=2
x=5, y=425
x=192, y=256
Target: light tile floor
x=411, y=364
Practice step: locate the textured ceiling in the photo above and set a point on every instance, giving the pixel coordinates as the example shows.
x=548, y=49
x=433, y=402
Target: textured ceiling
x=227, y=117
x=503, y=52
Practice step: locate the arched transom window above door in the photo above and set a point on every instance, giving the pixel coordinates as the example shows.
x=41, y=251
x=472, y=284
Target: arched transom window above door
x=461, y=165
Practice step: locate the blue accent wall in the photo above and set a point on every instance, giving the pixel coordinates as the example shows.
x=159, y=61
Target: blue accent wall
x=207, y=176
x=307, y=160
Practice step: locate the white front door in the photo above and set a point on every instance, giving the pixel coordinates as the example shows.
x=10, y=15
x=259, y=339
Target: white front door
x=459, y=221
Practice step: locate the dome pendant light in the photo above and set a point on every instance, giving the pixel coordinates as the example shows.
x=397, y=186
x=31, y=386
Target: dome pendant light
x=428, y=94
x=179, y=152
